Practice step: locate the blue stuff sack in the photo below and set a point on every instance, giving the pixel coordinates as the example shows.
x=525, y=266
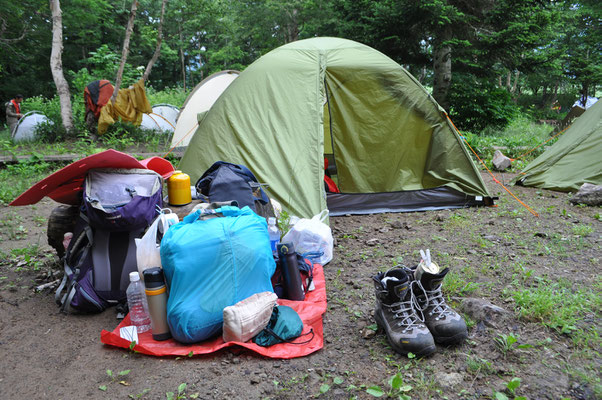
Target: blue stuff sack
x=211, y=260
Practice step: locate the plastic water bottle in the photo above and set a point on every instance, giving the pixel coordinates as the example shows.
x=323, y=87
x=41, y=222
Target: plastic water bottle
x=274, y=233
x=137, y=304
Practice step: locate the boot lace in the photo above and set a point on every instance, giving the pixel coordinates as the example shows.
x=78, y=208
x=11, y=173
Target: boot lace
x=435, y=299
x=408, y=311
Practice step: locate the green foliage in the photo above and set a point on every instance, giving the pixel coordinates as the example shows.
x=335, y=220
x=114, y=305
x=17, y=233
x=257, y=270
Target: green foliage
x=477, y=104
x=179, y=395
x=556, y=305
x=104, y=64
x=509, y=342
x=511, y=388
x=174, y=96
x=397, y=388
x=505, y=55
x=16, y=178
x=115, y=377
x=51, y=108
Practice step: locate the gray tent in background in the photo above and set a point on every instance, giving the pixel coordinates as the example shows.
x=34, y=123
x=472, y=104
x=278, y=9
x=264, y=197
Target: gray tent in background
x=162, y=119
x=26, y=127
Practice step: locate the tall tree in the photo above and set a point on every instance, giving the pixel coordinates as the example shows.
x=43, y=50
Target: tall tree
x=126, y=48
x=583, y=38
x=155, y=56
x=56, y=65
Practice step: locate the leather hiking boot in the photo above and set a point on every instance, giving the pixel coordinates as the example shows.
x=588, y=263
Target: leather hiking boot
x=396, y=314
x=446, y=325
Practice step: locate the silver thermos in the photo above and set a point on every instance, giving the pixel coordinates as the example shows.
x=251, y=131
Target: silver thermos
x=156, y=295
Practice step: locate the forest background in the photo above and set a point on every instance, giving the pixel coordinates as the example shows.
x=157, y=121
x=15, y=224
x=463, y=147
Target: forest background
x=488, y=62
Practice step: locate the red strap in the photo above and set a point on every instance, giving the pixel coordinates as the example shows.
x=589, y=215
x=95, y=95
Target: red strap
x=17, y=108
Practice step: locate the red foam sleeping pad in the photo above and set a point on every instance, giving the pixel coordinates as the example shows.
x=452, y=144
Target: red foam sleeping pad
x=310, y=310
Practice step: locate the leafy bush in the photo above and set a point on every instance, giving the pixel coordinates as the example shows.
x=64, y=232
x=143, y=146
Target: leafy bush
x=105, y=63
x=477, y=104
x=173, y=96
x=538, y=108
x=51, y=108
x=518, y=137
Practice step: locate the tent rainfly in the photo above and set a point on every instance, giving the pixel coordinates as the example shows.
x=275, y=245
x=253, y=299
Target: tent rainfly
x=573, y=160
x=26, y=127
x=197, y=103
x=390, y=143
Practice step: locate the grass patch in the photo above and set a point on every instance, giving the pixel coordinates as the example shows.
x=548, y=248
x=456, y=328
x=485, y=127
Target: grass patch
x=583, y=230
x=557, y=306
x=456, y=286
x=16, y=178
x=520, y=136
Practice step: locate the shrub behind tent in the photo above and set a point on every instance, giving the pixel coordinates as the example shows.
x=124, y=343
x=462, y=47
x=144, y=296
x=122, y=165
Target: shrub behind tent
x=26, y=127
x=199, y=101
x=163, y=118
x=391, y=143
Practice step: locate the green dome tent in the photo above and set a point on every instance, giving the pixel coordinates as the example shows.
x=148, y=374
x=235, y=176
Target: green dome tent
x=391, y=145
x=573, y=160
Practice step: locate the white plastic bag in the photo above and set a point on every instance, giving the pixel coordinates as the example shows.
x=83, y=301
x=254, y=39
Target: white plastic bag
x=147, y=249
x=312, y=235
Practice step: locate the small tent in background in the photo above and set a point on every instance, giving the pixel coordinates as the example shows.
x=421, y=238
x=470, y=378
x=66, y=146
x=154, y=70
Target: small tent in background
x=26, y=127
x=199, y=101
x=576, y=158
x=390, y=142
x=589, y=101
x=162, y=119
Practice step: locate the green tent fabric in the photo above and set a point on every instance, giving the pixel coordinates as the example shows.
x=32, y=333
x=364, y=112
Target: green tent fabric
x=392, y=146
x=573, y=160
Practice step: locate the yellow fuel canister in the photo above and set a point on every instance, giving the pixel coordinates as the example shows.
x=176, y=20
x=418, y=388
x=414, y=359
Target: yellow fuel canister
x=178, y=189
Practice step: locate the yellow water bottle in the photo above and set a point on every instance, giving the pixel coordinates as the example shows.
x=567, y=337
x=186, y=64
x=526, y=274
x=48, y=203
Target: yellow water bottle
x=178, y=189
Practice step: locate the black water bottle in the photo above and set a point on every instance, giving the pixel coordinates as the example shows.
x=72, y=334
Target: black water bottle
x=293, y=288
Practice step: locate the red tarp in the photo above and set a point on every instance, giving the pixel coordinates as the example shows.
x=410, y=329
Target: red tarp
x=64, y=185
x=310, y=310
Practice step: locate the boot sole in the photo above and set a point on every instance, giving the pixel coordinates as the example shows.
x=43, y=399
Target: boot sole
x=456, y=339
x=425, y=352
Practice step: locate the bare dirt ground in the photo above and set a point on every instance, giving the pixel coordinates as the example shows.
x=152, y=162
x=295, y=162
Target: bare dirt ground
x=495, y=254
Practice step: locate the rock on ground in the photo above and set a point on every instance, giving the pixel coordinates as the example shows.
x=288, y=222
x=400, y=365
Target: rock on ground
x=588, y=194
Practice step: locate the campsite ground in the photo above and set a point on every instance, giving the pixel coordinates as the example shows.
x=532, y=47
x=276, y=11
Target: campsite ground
x=544, y=272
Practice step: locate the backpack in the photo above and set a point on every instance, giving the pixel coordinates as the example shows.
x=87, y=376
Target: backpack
x=116, y=208
x=224, y=181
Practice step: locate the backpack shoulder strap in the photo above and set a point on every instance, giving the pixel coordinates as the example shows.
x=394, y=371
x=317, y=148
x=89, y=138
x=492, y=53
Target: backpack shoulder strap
x=75, y=256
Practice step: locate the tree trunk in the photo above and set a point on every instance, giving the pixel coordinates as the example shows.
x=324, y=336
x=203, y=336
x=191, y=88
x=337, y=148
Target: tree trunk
x=514, y=86
x=292, y=28
x=126, y=49
x=422, y=74
x=155, y=56
x=584, y=93
x=56, y=65
x=442, y=67
x=555, y=93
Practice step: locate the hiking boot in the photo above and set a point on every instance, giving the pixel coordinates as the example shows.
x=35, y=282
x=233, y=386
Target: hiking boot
x=396, y=314
x=446, y=325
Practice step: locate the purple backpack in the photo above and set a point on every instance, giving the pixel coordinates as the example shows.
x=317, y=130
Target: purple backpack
x=117, y=207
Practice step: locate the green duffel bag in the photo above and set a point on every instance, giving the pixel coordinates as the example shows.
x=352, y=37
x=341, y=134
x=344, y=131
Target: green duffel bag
x=285, y=326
